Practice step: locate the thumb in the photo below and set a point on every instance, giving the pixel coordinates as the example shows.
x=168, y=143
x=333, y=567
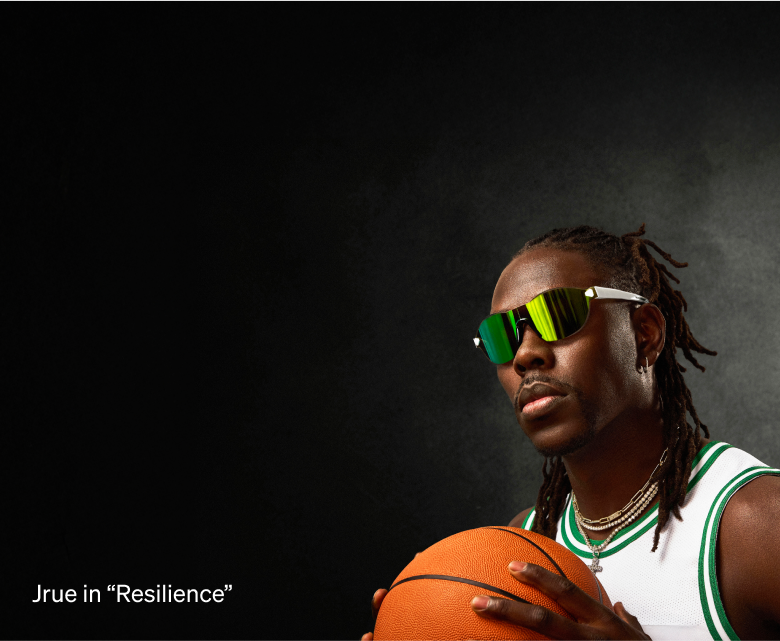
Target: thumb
x=624, y=614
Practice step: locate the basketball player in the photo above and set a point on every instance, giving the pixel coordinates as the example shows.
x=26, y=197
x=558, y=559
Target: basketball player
x=682, y=531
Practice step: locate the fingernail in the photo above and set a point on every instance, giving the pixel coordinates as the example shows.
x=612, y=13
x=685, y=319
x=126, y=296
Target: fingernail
x=373, y=598
x=480, y=602
x=517, y=566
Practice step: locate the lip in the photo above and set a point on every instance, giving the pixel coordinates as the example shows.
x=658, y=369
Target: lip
x=537, y=399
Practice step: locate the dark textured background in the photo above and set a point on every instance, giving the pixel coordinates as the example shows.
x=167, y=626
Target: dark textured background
x=249, y=247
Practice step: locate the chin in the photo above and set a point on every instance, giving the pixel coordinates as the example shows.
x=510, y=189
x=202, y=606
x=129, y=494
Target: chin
x=561, y=439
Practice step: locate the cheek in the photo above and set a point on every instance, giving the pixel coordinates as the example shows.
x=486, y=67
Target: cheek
x=619, y=360
x=509, y=380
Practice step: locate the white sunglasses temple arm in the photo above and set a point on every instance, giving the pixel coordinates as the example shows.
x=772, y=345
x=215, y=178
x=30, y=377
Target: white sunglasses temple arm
x=617, y=294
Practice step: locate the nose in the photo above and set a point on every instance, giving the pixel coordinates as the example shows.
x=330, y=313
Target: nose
x=533, y=353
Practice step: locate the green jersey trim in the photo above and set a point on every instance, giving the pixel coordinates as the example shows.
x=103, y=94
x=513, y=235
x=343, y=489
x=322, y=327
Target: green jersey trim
x=714, y=612
x=576, y=543
x=528, y=521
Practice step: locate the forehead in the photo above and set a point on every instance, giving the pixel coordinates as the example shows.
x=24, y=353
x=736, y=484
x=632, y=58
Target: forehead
x=538, y=270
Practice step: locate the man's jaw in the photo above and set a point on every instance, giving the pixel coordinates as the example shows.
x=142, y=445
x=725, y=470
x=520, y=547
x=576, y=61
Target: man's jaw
x=536, y=399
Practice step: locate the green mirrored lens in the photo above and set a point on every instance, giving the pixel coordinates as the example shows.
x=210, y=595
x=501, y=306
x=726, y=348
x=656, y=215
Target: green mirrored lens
x=499, y=337
x=559, y=313
x=554, y=315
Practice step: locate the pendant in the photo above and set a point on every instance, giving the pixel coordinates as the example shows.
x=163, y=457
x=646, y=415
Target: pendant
x=595, y=567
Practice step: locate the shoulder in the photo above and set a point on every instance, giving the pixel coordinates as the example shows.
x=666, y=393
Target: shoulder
x=757, y=493
x=748, y=565
x=518, y=520
x=753, y=512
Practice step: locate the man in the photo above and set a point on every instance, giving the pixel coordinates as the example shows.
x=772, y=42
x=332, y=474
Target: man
x=584, y=331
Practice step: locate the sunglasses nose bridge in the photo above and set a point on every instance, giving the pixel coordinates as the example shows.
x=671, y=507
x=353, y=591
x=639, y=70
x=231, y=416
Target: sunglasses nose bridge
x=522, y=323
x=533, y=351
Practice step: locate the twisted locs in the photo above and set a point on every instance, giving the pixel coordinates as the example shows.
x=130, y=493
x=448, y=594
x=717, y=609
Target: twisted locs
x=631, y=267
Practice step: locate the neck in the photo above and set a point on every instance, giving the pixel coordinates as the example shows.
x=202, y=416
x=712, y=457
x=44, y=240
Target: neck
x=606, y=473
x=611, y=468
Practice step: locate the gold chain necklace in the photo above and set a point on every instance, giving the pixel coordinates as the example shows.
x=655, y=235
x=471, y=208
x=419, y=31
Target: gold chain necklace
x=621, y=518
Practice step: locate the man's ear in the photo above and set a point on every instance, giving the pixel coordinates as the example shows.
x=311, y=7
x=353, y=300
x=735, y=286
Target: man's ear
x=650, y=327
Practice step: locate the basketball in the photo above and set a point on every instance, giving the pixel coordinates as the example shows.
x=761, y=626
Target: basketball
x=431, y=598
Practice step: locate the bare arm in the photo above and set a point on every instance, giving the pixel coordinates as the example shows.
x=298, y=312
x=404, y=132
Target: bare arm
x=748, y=559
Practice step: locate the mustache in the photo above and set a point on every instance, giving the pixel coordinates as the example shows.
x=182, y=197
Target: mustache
x=543, y=378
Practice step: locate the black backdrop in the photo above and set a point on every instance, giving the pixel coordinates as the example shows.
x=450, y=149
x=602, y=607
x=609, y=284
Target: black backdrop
x=249, y=247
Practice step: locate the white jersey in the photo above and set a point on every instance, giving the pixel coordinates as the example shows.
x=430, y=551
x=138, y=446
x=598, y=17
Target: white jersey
x=673, y=592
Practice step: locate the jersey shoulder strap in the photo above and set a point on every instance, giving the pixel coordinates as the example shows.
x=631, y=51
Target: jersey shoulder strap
x=736, y=470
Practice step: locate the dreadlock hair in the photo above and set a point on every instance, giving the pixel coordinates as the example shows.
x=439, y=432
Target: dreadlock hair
x=631, y=267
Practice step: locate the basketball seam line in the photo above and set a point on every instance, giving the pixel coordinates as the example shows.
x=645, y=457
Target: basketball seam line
x=458, y=579
x=558, y=567
x=601, y=599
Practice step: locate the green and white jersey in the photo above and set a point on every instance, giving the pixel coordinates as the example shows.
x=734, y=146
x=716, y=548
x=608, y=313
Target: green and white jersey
x=673, y=592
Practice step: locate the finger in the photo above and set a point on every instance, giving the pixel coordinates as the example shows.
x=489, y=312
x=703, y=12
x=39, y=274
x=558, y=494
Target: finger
x=368, y=636
x=376, y=601
x=528, y=615
x=568, y=595
x=621, y=611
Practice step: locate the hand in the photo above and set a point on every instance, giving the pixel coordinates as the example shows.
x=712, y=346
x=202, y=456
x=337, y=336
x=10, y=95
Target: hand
x=376, y=602
x=592, y=620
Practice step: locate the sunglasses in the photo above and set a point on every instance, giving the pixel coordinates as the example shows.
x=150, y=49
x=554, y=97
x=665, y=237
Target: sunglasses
x=553, y=315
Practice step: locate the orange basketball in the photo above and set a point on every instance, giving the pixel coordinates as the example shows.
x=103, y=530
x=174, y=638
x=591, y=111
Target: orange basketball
x=431, y=598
